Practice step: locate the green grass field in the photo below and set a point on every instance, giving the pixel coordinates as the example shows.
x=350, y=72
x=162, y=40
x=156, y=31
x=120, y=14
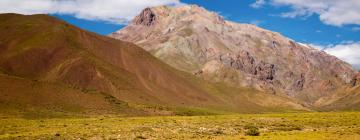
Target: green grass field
x=306, y=126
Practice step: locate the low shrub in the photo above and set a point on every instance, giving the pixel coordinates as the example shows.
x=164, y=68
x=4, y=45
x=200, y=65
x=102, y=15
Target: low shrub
x=252, y=130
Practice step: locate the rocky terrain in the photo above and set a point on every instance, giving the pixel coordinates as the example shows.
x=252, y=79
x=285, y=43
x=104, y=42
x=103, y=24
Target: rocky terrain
x=194, y=40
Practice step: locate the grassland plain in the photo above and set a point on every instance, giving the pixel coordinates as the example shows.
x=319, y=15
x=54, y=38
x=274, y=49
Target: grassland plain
x=306, y=126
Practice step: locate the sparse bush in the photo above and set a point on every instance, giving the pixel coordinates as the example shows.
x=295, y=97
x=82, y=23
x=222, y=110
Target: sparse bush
x=252, y=130
x=248, y=126
x=218, y=131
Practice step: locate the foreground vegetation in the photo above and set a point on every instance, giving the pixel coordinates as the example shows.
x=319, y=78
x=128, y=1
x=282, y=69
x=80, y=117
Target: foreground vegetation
x=330, y=125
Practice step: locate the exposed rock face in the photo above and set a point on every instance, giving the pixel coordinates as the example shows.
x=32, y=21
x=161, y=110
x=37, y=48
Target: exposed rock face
x=265, y=71
x=356, y=81
x=197, y=41
x=244, y=62
x=147, y=18
x=299, y=84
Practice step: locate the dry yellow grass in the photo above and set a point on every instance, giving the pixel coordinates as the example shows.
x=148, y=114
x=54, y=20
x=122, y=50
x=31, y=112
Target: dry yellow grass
x=303, y=126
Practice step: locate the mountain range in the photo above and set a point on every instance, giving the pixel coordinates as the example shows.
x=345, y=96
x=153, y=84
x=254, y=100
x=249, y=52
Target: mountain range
x=194, y=40
x=167, y=61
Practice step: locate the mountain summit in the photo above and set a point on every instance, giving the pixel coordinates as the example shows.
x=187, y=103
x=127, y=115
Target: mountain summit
x=202, y=43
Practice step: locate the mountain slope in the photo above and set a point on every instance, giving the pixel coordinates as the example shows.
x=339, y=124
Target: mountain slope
x=349, y=99
x=43, y=58
x=200, y=42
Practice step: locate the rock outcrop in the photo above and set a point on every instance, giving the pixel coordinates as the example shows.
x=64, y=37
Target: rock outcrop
x=244, y=62
x=355, y=81
x=299, y=83
x=147, y=18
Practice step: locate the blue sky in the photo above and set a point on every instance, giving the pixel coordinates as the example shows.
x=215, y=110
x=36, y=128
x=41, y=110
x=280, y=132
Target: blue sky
x=330, y=25
x=100, y=27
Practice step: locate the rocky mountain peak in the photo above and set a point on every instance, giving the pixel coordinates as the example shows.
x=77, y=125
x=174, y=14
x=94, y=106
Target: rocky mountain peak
x=194, y=9
x=190, y=13
x=147, y=17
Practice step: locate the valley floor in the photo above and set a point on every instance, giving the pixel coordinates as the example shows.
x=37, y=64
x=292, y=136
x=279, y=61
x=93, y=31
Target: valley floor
x=306, y=126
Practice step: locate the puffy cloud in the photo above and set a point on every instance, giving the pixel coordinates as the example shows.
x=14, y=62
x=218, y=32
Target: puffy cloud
x=347, y=51
x=331, y=12
x=258, y=4
x=114, y=11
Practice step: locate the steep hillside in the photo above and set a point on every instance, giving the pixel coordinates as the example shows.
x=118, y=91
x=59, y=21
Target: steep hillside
x=47, y=63
x=200, y=42
x=348, y=100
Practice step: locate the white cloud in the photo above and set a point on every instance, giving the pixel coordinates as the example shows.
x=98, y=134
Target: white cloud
x=355, y=29
x=258, y=4
x=332, y=12
x=347, y=51
x=316, y=46
x=114, y=11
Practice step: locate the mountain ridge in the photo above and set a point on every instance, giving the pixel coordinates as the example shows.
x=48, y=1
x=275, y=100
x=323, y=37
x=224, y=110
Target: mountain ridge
x=194, y=40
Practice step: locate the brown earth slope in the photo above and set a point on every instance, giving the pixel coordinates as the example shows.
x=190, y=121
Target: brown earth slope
x=200, y=42
x=47, y=64
x=348, y=100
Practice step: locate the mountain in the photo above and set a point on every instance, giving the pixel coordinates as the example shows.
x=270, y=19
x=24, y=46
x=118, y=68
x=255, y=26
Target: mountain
x=50, y=66
x=196, y=41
